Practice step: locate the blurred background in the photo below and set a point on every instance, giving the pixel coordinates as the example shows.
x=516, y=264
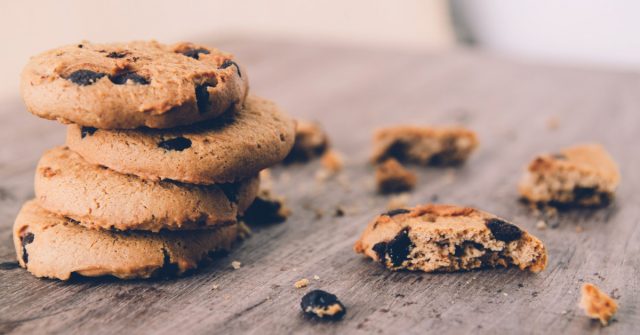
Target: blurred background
x=577, y=32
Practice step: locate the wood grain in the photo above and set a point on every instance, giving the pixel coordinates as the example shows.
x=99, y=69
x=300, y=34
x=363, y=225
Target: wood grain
x=352, y=91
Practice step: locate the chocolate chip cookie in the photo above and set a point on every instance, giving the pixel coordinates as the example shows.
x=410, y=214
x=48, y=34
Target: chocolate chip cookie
x=583, y=175
x=50, y=245
x=449, y=238
x=128, y=85
x=235, y=146
x=98, y=197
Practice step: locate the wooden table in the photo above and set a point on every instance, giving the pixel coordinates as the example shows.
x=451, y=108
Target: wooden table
x=517, y=109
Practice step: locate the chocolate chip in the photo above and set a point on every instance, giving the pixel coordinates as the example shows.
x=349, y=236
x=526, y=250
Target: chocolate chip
x=84, y=131
x=122, y=78
x=580, y=193
x=168, y=269
x=195, y=53
x=202, y=96
x=85, y=77
x=229, y=62
x=397, y=250
x=80, y=46
x=397, y=150
x=319, y=304
x=26, y=239
x=9, y=265
x=117, y=54
x=176, y=144
x=397, y=211
x=503, y=231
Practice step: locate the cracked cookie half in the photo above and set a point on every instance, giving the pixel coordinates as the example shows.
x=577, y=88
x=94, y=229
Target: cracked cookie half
x=445, y=238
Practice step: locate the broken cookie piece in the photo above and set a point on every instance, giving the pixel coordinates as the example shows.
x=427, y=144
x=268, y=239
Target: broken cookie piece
x=583, y=175
x=266, y=208
x=310, y=142
x=424, y=145
x=319, y=304
x=597, y=304
x=448, y=238
x=392, y=177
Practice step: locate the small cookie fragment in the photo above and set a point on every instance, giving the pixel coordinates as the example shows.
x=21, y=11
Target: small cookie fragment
x=447, y=238
x=392, y=177
x=311, y=141
x=236, y=265
x=304, y=282
x=331, y=161
x=583, y=175
x=319, y=304
x=424, y=145
x=597, y=304
x=266, y=208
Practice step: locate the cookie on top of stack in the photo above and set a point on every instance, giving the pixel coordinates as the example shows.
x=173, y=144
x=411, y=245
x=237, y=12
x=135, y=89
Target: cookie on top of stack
x=163, y=150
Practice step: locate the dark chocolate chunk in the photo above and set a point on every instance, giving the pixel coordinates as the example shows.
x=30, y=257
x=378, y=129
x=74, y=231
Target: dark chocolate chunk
x=176, y=144
x=85, y=77
x=229, y=62
x=380, y=249
x=26, y=239
x=9, y=265
x=195, y=53
x=397, y=211
x=117, y=54
x=397, y=250
x=397, y=150
x=202, y=96
x=80, y=46
x=503, y=231
x=84, y=131
x=580, y=193
x=168, y=269
x=122, y=78
x=319, y=304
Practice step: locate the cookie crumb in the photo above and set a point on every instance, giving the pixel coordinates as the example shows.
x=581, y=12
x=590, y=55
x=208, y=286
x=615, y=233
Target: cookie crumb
x=541, y=225
x=236, y=265
x=553, y=123
x=215, y=287
x=579, y=229
x=304, y=282
x=311, y=142
x=392, y=177
x=597, y=304
x=319, y=304
x=340, y=212
x=316, y=277
x=398, y=201
x=332, y=161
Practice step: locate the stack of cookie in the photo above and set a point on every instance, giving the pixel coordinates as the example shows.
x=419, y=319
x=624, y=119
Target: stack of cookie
x=162, y=155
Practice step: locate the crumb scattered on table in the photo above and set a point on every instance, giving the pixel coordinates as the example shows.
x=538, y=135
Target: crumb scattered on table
x=311, y=142
x=236, y=265
x=304, y=282
x=392, y=177
x=597, y=304
x=398, y=201
x=541, y=224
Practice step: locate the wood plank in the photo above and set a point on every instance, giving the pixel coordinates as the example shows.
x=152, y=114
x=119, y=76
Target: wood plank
x=351, y=92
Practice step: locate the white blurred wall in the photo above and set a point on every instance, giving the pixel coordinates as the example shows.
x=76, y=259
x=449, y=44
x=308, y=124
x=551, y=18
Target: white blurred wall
x=28, y=27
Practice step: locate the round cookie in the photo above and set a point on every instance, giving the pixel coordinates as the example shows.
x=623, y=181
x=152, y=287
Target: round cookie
x=235, y=146
x=128, y=85
x=97, y=197
x=50, y=245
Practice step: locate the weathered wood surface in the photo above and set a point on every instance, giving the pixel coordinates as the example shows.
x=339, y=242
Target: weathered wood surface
x=351, y=92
